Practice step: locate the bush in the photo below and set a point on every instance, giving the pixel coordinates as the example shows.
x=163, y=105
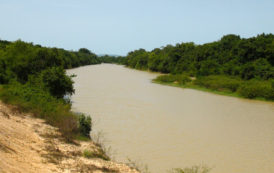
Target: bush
x=219, y=83
x=95, y=154
x=254, y=88
x=182, y=79
x=56, y=80
x=166, y=78
x=39, y=101
x=84, y=125
x=170, y=78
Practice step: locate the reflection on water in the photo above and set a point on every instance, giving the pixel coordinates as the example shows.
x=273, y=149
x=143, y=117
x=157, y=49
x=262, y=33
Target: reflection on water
x=167, y=127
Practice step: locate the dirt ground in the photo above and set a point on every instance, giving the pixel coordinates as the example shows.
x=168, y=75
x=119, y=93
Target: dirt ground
x=28, y=144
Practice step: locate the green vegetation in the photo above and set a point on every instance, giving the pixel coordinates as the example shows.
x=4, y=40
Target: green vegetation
x=84, y=124
x=178, y=78
x=257, y=89
x=232, y=56
x=225, y=85
x=95, y=154
x=219, y=83
x=231, y=65
x=33, y=78
x=112, y=59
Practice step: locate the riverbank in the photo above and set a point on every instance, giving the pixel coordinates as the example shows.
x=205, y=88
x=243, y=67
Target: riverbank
x=34, y=146
x=222, y=85
x=198, y=88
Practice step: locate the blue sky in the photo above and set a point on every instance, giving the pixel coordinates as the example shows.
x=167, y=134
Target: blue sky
x=120, y=26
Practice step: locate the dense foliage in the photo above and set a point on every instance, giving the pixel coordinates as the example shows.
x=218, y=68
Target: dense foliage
x=33, y=77
x=18, y=60
x=42, y=104
x=235, y=60
x=84, y=124
x=232, y=55
x=112, y=59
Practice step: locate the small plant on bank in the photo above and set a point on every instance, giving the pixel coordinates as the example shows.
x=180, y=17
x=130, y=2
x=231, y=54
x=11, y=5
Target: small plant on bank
x=95, y=154
x=88, y=154
x=84, y=125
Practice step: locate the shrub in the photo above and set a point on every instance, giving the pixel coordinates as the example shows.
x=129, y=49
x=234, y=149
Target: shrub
x=95, y=154
x=56, y=80
x=182, y=79
x=255, y=88
x=166, y=78
x=170, y=78
x=84, y=125
x=39, y=101
x=219, y=82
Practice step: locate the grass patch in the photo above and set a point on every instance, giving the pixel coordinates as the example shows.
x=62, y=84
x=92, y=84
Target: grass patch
x=95, y=154
x=80, y=137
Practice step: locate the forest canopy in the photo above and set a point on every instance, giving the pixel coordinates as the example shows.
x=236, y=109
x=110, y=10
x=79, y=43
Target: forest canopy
x=231, y=55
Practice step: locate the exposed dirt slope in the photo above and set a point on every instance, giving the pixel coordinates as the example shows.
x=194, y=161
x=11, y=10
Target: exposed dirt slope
x=27, y=144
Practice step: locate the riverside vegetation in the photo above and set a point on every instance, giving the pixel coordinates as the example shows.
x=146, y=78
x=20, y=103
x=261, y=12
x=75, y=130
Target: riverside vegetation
x=33, y=78
x=231, y=66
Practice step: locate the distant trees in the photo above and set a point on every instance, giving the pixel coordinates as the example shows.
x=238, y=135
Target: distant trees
x=231, y=64
x=112, y=59
x=231, y=55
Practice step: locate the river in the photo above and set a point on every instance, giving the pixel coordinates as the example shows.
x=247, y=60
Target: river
x=167, y=127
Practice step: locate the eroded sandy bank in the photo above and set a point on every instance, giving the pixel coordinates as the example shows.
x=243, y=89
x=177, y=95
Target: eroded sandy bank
x=28, y=144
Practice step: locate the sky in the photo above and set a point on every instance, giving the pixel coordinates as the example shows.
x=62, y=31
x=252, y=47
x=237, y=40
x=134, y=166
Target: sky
x=120, y=26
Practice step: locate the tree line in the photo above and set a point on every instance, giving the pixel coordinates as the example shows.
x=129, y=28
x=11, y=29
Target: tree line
x=224, y=61
x=231, y=55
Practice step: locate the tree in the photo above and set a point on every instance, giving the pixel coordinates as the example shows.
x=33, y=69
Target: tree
x=58, y=83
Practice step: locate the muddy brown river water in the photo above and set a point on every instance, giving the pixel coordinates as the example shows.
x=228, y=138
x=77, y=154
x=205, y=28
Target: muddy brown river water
x=167, y=127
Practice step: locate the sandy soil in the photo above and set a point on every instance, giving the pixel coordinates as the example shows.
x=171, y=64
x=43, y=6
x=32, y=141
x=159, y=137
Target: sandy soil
x=28, y=144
